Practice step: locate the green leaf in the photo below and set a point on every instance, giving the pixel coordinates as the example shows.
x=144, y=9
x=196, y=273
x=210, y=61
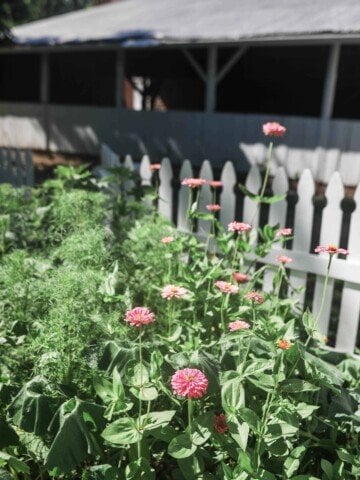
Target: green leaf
x=263, y=382
x=139, y=469
x=295, y=385
x=280, y=430
x=102, y=472
x=156, y=419
x=239, y=432
x=265, y=475
x=250, y=418
x=232, y=395
x=15, y=463
x=116, y=355
x=146, y=393
x=292, y=462
x=305, y=410
x=31, y=409
x=257, y=198
x=8, y=435
x=123, y=431
x=181, y=446
x=244, y=463
x=136, y=374
x=304, y=477
x=202, y=428
x=345, y=456
x=76, y=426
x=257, y=366
x=327, y=468
x=332, y=374
x=278, y=448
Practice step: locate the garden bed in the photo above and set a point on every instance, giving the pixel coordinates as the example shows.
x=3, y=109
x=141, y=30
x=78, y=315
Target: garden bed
x=131, y=351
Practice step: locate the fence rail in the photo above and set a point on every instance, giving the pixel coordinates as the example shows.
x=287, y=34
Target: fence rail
x=16, y=167
x=344, y=283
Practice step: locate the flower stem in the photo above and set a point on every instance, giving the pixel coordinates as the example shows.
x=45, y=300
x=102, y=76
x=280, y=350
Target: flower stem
x=141, y=386
x=190, y=414
x=170, y=316
x=281, y=274
x=265, y=181
x=324, y=290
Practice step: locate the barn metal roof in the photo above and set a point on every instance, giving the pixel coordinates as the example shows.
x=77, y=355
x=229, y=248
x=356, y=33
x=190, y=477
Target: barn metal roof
x=166, y=22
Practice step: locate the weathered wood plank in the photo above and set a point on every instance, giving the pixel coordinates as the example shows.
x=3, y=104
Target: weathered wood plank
x=304, y=212
x=165, y=204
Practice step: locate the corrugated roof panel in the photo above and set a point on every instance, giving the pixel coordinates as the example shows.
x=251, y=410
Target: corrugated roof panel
x=173, y=21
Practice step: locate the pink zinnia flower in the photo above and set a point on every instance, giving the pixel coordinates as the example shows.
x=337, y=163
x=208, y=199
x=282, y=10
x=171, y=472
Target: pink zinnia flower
x=220, y=424
x=283, y=232
x=273, y=129
x=155, y=166
x=173, y=291
x=215, y=183
x=240, y=277
x=139, y=316
x=239, y=227
x=226, y=287
x=254, y=297
x=214, y=207
x=167, y=239
x=194, y=182
x=238, y=325
x=283, y=259
x=331, y=249
x=189, y=383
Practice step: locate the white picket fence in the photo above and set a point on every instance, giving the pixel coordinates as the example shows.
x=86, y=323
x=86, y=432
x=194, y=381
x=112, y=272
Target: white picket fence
x=16, y=167
x=304, y=262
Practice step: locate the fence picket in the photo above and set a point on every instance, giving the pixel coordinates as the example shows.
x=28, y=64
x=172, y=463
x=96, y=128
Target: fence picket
x=251, y=210
x=145, y=171
x=165, y=204
x=227, y=196
x=19, y=171
x=304, y=212
x=29, y=168
x=330, y=233
x=184, y=195
x=205, y=197
x=9, y=175
x=108, y=158
x=129, y=184
x=277, y=216
x=350, y=302
x=2, y=164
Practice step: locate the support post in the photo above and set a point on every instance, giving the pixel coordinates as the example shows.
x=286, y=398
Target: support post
x=44, y=95
x=330, y=82
x=210, y=94
x=120, y=78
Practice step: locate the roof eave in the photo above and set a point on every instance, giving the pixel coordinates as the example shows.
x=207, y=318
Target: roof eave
x=110, y=44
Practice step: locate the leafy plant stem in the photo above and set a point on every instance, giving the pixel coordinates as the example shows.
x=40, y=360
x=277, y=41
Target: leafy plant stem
x=277, y=300
x=224, y=304
x=171, y=311
x=242, y=367
x=265, y=181
x=268, y=404
x=190, y=414
x=253, y=314
x=322, y=298
x=234, y=257
x=187, y=216
x=141, y=386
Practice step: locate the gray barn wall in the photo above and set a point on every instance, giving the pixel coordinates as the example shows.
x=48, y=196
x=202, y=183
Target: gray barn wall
x=319, y=145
